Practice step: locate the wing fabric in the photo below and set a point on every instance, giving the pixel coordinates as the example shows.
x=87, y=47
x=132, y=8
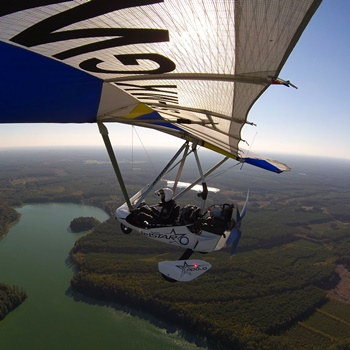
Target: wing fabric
x=192, y=69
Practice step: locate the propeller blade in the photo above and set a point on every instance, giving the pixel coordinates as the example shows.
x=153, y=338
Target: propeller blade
x=238, y=216
x=233, y=236
x=237, y=236
x=244, y=210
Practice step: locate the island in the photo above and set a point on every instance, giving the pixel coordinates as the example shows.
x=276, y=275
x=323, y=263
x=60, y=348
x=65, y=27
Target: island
x=10, y=298
x=82, y=223
x=8, y=216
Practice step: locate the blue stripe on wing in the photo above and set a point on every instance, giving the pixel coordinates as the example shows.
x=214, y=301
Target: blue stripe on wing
x=38, y=89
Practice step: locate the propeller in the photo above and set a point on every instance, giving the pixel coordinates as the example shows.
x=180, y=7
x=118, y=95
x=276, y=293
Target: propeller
x=235, y=234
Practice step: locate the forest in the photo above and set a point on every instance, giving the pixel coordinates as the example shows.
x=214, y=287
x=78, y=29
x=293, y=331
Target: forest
x=250, y=301
x=275, y=293
x=83, y=224
x=10, y=298
x=8, y=216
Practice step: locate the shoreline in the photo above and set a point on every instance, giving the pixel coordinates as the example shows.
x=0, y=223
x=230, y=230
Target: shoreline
x=14, y=297
x=142, y=313
x=8, y=225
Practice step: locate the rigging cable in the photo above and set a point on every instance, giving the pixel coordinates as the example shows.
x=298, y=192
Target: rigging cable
x=250, y=146
x=143, y=146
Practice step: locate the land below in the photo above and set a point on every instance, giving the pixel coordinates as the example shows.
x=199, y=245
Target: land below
x=286, y=288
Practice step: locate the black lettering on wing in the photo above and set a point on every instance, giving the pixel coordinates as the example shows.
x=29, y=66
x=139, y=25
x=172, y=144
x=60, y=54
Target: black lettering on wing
x=156, y=88
x=126, y=36
x=46, y=31
x=165, y=64
x=50, y=30
x=13, y=6
x=158, y=98
x=160, y=93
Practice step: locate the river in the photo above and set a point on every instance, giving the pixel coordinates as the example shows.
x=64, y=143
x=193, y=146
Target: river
x=34, y=256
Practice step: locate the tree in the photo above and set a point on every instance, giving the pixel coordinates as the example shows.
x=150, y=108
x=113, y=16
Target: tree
x=83, y=224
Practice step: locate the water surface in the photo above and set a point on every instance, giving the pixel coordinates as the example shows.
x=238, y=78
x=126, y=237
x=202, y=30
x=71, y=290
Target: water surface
x=34, y=256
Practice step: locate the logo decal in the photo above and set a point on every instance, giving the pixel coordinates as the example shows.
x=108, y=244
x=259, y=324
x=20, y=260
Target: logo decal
x=171, y=237
x=188, y=269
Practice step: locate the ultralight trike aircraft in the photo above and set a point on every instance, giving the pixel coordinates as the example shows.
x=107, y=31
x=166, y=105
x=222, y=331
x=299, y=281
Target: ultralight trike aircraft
x=186, y=227
x=190, y=69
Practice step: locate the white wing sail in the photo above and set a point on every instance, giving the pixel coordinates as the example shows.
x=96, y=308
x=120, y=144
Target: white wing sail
x=189, y=68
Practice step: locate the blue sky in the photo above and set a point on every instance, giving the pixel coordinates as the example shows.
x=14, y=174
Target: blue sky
x=312, y=120
x=315, y=118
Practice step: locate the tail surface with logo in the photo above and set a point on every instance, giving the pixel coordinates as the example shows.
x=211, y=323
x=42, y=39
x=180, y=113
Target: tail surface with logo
x=183, y=270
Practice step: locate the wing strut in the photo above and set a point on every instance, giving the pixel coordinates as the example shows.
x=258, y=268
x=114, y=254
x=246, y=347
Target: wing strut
x=182, y=163
x=200, y=178
x=160, y=176
x=104, y=133
x=204, y=193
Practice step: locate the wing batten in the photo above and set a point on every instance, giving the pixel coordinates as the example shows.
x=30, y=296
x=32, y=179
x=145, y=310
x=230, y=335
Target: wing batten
x=250, y=79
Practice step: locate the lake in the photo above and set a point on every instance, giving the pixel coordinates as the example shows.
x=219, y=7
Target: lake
x=34, y=255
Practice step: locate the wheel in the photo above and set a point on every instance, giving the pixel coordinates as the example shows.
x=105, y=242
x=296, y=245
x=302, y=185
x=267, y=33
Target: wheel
x=125, y=229
x=168, y=278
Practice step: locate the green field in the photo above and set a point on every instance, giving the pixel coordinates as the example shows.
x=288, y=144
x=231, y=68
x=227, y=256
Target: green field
x=328, y=325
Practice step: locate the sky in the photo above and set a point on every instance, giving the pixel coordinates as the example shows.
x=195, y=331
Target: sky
x=315, y=118
x=311, y=120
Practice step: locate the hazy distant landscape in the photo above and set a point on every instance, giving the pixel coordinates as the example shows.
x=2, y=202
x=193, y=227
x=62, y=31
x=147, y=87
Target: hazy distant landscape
x=288, y=286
